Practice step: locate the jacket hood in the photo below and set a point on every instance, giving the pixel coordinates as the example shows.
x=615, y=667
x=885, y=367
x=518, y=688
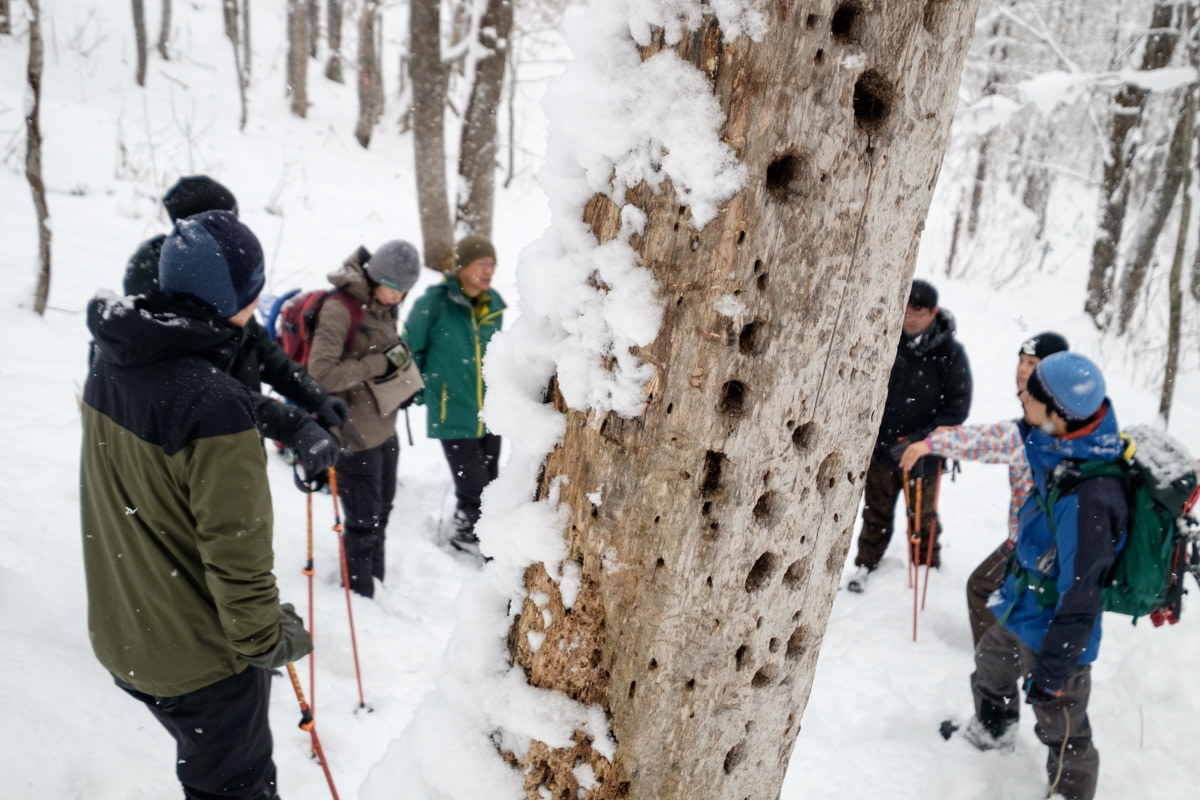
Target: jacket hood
x=1045, y=452
x=940, y=331
x=352, y=279
x=136, y=331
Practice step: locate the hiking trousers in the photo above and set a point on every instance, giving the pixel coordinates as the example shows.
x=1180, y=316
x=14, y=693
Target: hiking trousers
x=222, y=736
x=883, y=486
x=1002, y=662
x=985, y=581
x=367, y=487
x=474, y=463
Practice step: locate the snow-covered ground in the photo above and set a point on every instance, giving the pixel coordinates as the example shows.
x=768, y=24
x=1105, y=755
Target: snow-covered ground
x=312, y=195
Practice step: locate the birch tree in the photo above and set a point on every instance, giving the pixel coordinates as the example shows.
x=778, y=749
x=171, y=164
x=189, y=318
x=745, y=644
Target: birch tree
x=33, y=156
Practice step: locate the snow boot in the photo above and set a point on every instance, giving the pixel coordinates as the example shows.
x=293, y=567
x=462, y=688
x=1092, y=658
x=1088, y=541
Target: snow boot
x=994, y=729
x=858, y=581
x=464, y=538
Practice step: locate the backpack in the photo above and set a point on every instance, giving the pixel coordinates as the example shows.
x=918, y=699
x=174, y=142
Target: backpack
x=1161, y=483
x=298, y=321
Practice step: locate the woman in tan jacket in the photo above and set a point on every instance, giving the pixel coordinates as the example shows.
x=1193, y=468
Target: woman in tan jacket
x=367, y=368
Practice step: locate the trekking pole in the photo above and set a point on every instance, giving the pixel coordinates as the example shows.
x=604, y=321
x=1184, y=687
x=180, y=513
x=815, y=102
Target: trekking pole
x=916, y=548
x=337, y=526
x=308, y=724
x=937, y=490
x=908, y=527
x=312, y=622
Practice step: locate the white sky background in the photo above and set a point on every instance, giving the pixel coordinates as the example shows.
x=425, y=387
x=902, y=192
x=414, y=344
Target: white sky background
x=111, y=148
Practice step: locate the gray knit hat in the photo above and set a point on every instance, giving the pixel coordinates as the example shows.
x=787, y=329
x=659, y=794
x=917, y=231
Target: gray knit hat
x=396, y=265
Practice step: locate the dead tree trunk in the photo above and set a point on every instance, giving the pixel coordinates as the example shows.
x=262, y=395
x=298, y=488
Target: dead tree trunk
x=429, y=77
x=5, y=18
x=370, y=73
x=164, y=30
x=33, y=156
x=1154, y=220
x=314, y=26
x=710, y=565
x=231, y=32
x=139, y=39
x=297, y=56
x=333, y=68
x=477, y=153
x=1114, y=188
x=246, y=49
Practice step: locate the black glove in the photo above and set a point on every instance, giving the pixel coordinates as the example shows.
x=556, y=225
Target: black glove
x=294, y=642
x=1037, y=695
x=315, y=447
x=333, y=412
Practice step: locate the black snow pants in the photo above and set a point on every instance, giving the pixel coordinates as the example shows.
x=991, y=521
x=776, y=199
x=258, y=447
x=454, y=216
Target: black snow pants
x=883, y=486
x=367, y=487
x=474, y=463
x=222, y=737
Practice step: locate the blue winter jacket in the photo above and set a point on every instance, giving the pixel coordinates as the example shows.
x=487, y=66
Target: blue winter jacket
x=1090, y=524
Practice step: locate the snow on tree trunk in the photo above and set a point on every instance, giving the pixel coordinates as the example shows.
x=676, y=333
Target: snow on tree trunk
x=710, y=531
x=477, y=153
x=33, y=156
x=429, y=77
x=139, y=39
x=370, y=74
x=1114, y=186
x=297, y=56
x=333, y=68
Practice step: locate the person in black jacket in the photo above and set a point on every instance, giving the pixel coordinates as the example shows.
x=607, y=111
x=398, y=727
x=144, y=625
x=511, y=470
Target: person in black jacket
x=929, y=388
x=290, y=424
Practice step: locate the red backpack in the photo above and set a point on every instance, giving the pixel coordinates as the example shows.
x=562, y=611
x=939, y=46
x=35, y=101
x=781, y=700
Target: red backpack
x=298, y=321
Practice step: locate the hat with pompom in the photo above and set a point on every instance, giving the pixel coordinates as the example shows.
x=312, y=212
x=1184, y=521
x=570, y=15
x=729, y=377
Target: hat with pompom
x=195, y=194
x=214, y=259
x=1069, y=384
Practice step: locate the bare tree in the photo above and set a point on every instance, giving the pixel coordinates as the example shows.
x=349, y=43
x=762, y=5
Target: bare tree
x=5, y=19
x=139, y=37
x=231, y=33
x=33, y=156
x=1127, y=107
x=429, y=76
x=297, y=55
x=710, y=566
x=246, y=49
x=164, y=30
x=314, y=26
x=370, y=72
x=333, y=68
x=477, y=152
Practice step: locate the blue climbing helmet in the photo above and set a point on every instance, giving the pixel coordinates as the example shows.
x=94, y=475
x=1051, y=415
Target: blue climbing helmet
x=1070, y=384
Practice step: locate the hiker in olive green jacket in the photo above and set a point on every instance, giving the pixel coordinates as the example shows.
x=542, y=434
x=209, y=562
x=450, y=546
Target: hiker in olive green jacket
x=176, y=510
x=448, y=329
x=368, y=370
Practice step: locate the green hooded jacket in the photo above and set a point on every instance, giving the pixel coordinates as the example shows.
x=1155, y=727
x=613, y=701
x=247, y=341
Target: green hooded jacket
x=449, y=335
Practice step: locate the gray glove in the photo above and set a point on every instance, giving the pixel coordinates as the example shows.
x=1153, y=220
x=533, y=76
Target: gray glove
x=294, y=642
x=316, y=448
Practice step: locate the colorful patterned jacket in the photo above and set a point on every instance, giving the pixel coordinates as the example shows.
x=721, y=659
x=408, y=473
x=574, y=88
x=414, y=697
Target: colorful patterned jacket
x=998, y=443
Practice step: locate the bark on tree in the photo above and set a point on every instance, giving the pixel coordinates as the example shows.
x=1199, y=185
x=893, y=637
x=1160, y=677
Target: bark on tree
x=164, y=30
x=370, y=73
x=297, y=56
x=710, y=566
x=477, y=152
x=33, y=156
x=139, y=39
x=246, y=49
x=1159, y=208
x=1114, y=188
x=5, y=18
x=333, y=68
x=429, y=77
x=229, y=11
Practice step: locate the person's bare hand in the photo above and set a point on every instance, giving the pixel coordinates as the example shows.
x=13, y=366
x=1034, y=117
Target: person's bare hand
x=912, y=453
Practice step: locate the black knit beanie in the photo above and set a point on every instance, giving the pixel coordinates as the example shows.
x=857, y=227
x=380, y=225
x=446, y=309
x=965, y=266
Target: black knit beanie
x=922, y=295
x=194, y=194
x=1044, y=344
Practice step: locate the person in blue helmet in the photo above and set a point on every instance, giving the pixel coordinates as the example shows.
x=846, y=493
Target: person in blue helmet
x=1048, y=615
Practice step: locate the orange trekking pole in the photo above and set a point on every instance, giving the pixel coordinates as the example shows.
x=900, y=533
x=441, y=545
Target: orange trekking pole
x=307, y=724
x=915, y=547
x=337, y=526
x=908, y=524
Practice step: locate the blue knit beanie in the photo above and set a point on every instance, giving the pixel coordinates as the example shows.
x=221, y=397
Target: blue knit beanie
x=1069, y=384
x=214, y=259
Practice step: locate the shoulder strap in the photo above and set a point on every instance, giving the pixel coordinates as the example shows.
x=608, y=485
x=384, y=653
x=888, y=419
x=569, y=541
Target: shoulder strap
x=356, y=313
